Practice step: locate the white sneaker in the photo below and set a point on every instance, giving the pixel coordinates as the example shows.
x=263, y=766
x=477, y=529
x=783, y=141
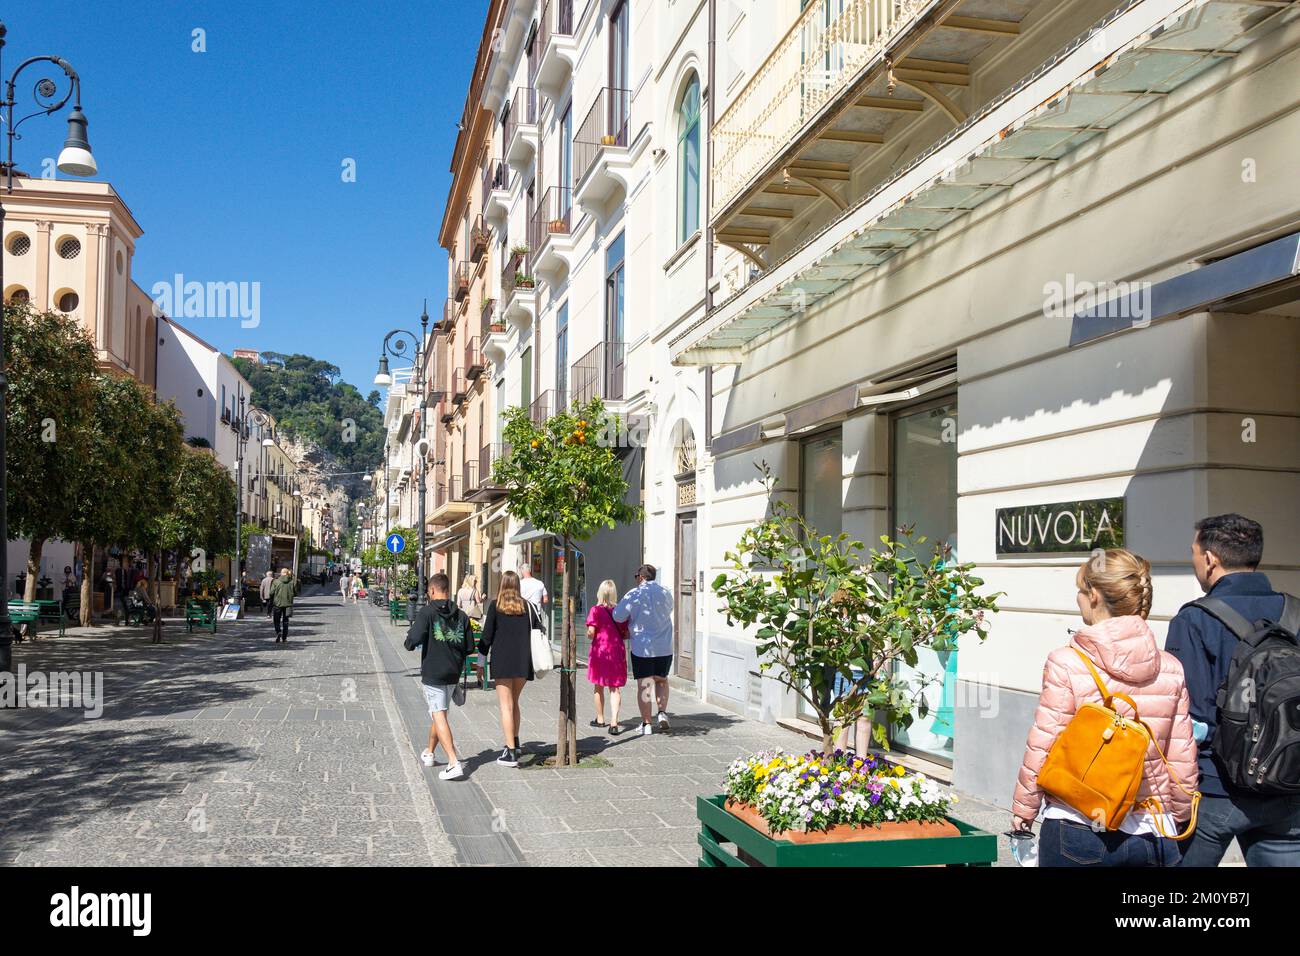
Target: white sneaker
x=454, y=772
x=663, y=722
x=647, y=729
x=428, y=760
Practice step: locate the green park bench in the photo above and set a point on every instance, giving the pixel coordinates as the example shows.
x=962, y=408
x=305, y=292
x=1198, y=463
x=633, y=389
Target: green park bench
x=202, y=613
x=396, y=612
x=36, y=613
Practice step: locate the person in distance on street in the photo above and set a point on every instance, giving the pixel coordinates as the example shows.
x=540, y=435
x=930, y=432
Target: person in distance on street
x=607, y=659
x=442, y=632
x=647, y=610
x=507, y=636
x=264, y=591
x=282, y=592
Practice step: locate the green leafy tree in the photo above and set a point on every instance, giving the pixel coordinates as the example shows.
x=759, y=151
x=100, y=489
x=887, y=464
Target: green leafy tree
x=51, y=369
x=564, y=477
x=151, y=489
x=202, y=506
x=824, y=606
x=105, y=477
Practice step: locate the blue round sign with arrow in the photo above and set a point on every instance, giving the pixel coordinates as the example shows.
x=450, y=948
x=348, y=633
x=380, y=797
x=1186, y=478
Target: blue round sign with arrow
x=396, y=543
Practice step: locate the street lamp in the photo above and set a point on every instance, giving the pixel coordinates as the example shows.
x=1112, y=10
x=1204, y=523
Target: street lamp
x=396, y=344
x=75, y=160
x=261, y=420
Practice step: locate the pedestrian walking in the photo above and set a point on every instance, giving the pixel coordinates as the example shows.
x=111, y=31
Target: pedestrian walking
x=533, y=590
x=123, y=581
x=442, y=632
x=345, y=584
x=264, y=590
x=282, y=592
x=647, y=610
x=470, y=600
x=1205, y=636
x=507, y=636
x=1113, y=658
x=607, y=659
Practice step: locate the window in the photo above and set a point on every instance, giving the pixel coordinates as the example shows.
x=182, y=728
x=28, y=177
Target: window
x=68, y=301
x=821, y=493
x=562, y=353
x=925, y=495
x=526, y=377
x=19, y=296
x=688, y=163
x=19, y=244
x=614, y=291
x=69, y=248
x=566, y=159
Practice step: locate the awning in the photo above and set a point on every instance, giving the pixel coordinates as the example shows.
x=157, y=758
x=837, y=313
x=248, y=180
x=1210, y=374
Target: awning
x=446, y=542
x=1136, y=57
x=527, y=534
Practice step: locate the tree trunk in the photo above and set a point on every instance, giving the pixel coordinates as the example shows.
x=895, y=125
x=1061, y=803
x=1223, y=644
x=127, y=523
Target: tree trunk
x=87, y=583
x=571, y=673
x=828, y=735
x=33, y=569
x=157, y=589
x=566, y=754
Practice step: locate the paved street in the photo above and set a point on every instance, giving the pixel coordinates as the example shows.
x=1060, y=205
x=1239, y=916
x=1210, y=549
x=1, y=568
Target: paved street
x=234, y=750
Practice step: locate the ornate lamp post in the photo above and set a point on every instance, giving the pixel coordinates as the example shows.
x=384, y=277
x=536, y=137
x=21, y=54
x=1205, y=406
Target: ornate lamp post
x=74, y=160
x=396, y=344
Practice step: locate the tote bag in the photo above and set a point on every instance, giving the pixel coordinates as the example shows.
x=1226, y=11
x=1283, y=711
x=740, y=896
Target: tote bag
x=540, y=642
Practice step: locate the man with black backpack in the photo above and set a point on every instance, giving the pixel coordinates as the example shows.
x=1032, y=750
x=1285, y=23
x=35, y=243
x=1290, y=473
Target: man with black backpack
x=1241, y=660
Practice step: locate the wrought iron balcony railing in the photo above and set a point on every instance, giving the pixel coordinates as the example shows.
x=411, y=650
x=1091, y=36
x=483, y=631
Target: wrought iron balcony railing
x=547, y=404
x=473, y=358
x=608, y=123
x=523, y=112
x=551, y=217
x=599, y=374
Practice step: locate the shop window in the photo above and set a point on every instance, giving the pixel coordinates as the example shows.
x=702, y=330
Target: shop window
x=924, y=461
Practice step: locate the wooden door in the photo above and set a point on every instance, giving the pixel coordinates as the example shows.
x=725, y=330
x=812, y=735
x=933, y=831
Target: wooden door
x=684, y=596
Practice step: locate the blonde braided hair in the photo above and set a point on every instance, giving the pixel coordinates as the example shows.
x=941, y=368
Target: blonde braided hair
x=1122, y=578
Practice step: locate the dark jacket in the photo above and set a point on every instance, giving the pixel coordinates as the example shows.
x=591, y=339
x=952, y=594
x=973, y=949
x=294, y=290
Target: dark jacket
x=443, y=632
x=1204, y=647
x=282, y=592
x=508, y=638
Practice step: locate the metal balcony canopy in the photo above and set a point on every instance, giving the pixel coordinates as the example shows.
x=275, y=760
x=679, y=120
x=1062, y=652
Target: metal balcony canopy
x=1137, y=55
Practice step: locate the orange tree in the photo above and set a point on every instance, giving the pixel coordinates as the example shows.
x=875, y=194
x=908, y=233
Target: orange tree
x=563, y=476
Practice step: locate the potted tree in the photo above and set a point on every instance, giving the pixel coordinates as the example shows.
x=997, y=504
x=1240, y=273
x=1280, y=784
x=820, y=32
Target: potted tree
x=833, y=619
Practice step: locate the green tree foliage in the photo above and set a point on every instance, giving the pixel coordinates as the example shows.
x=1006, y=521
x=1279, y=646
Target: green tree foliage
x=51, y=365
x=201, y=512
x=564, y=477
x=310, y=402
x=824, y=606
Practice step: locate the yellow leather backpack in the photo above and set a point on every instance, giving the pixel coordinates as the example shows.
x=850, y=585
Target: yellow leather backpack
x=1096, y=764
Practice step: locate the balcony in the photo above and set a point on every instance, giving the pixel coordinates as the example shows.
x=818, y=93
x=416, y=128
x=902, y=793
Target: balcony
x=460, y=280
x=450, y=312
x=449, y=504
x=446, y=410
x=549, y=235
x=493, y=336
x=546, y=405
x=518, y=290
x=487, y=489
x=558, y=48
x=473, y=359
x=599, y=374
x=469, y=479
x=459, y=386
x=479, y=237
x=496, y=193
x=519, y=129
x=602, y=168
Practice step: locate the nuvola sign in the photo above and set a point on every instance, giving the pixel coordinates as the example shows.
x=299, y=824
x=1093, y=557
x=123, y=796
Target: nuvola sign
x=1069, y=527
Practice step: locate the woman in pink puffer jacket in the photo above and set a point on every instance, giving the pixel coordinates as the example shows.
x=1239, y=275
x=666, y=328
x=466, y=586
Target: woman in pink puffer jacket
x=1114, y=597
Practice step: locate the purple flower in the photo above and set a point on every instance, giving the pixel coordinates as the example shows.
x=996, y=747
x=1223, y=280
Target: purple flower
x=875, y=796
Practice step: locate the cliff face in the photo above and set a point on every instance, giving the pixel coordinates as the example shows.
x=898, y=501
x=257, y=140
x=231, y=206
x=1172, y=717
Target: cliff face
x=321, y=477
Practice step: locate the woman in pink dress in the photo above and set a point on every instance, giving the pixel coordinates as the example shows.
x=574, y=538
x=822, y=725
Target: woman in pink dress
x=607, y=661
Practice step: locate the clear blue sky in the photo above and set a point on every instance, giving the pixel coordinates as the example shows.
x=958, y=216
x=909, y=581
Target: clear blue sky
x=231, y=159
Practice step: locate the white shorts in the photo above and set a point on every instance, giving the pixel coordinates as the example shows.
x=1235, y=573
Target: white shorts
x=438, y=697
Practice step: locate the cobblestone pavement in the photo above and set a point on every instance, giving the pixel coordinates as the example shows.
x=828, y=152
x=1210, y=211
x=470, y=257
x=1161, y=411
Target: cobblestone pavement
x=217, y=749
x=230, y=749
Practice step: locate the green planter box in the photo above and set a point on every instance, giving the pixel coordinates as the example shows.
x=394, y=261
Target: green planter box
x=974, y=847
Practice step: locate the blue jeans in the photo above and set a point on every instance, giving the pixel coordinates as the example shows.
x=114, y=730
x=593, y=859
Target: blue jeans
x=1066, y=843
x=1266, y=828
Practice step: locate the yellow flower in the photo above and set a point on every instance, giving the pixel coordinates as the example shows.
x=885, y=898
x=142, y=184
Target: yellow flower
x=899, y=771
x=896, y=785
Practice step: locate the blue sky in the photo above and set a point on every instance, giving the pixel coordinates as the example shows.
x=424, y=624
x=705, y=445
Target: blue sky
x=232, y=159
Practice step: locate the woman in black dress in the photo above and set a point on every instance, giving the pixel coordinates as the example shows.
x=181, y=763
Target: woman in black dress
x=507, y=636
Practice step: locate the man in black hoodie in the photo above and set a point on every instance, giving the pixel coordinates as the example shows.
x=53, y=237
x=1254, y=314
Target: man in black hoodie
x=442, y=631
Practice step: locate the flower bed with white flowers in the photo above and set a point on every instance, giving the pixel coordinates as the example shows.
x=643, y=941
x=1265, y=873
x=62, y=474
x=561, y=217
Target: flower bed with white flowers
x=815, y=791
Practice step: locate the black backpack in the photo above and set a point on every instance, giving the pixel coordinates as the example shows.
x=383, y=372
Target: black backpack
x=1257, y=743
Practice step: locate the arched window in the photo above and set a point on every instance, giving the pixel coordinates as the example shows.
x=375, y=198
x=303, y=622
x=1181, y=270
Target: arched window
x=688, y=163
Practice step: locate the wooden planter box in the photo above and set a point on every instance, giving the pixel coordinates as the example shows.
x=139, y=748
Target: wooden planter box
x=971, y=847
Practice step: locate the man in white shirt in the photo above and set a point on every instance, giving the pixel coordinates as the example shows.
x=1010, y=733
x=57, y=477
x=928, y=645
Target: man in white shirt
x=647, y=609
x=532, y=590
